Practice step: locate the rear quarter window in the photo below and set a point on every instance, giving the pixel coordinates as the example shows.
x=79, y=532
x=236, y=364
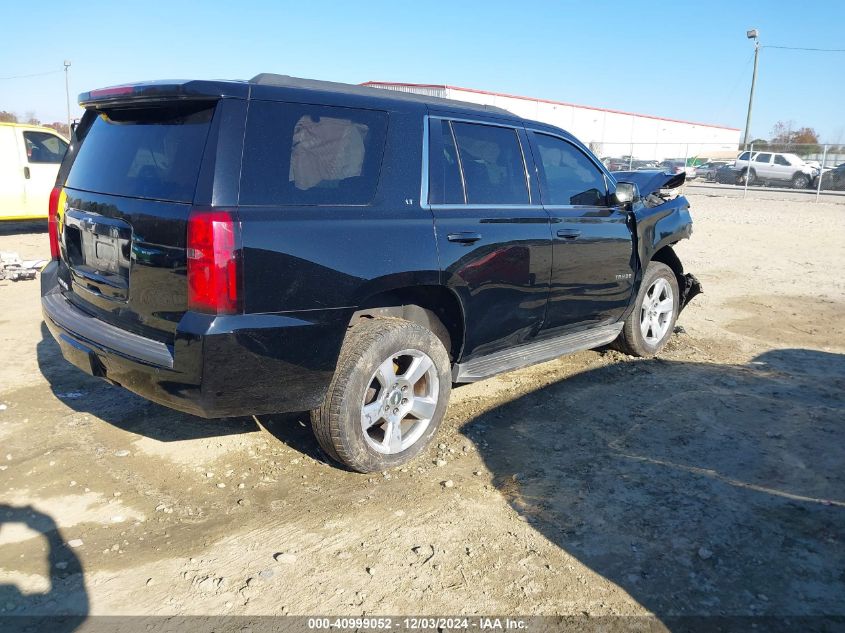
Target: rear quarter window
x=300, y=154
x=152, y=152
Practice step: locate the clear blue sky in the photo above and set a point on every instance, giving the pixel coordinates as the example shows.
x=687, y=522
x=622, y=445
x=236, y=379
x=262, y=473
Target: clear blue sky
x=685, y=60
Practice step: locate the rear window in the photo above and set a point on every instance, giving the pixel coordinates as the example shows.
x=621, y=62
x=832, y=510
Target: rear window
x=144, y=153
x=492, y=163
x=297, y=154
x=444, y=185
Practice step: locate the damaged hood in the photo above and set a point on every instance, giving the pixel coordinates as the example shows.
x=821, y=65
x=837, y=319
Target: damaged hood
x=650, y=181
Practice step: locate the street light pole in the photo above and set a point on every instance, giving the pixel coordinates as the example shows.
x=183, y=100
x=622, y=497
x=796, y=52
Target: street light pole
x=67, y=95
x=753, y=34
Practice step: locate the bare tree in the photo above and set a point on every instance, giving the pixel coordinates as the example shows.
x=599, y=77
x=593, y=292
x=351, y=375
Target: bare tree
x=786, y=137
x=60, y=127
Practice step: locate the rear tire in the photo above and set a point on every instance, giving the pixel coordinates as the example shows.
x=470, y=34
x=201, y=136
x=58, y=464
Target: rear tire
x=388, y=395
x=649, y=326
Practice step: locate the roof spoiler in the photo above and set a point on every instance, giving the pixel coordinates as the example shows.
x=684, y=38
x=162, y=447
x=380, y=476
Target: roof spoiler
x=166, y=90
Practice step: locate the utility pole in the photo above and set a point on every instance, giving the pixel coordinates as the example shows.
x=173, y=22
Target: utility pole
x=753, y=34
x=67, y=95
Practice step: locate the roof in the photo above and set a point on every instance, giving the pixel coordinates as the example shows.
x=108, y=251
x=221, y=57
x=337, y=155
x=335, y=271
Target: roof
x=363, y=90
x=169, y=89
x=563, y=103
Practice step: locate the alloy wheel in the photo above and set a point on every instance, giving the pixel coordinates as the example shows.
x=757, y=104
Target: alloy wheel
x=400, y=401
x=656, y=311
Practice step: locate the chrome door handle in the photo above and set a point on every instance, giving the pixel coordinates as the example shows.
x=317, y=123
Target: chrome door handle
x=465, y=237
x=568, y=234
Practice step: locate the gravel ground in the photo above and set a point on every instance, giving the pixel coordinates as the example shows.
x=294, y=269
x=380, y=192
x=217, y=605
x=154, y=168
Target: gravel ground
x=709, y=481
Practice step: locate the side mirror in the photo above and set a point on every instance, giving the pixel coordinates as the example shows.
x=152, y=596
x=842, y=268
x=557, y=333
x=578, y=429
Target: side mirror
x=626, y=194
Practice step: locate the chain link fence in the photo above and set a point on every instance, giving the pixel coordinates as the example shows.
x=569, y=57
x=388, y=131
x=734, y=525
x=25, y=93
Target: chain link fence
x=795, y=171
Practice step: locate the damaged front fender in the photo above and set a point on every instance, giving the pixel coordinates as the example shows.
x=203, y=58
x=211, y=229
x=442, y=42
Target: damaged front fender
x=690, y=288
x=661, y=219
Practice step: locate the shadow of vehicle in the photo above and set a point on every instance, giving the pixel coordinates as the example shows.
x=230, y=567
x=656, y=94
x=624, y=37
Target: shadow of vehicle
x=65, y=606
x=123, y=409
x=699, y=489
x=20, y=227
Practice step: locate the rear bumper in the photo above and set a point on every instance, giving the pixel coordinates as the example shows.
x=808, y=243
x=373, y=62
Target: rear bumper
x=217, y=366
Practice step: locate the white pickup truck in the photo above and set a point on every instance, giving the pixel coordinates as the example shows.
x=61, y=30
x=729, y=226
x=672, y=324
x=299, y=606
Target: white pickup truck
x=773, y=167
x=30, y=156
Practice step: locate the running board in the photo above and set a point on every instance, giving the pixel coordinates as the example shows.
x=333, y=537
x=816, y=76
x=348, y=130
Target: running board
x=533, y=353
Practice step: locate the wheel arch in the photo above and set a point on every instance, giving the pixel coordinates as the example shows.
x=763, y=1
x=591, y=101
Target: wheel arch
x=433, y=306
x=688, y=285
x=800, y=174
x=667, y=255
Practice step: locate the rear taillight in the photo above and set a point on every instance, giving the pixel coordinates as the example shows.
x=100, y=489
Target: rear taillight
x=53, y=221
x=214, y=262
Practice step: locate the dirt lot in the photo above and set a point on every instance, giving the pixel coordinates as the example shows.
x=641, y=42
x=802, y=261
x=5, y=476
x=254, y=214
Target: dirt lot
x=708, y=481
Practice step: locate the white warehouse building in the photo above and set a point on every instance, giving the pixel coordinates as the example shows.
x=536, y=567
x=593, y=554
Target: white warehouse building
x=607, y=132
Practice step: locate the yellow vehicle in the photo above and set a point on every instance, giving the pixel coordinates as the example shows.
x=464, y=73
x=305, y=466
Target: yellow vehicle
x=30, y=156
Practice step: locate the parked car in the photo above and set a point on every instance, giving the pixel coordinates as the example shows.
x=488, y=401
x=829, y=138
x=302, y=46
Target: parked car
x=775, y=168
x=643, y=164
x=231, y=248
x=673, y=166
x=30, y=156
x=708, y=170
x=833, y=179
x=616, y=164
x=727, y=174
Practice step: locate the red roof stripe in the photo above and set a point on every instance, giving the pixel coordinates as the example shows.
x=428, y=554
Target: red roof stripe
x=563, y=103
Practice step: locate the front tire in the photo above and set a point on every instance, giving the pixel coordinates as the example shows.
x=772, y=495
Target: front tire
x=746, y=174
x=387, y=397
x=649, y=326
x=800, y=181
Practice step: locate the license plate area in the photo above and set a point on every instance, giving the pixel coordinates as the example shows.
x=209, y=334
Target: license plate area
x=98, y=252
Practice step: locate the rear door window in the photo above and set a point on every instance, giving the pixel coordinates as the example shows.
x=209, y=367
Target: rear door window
x=567, y=175
x=492, y=163
x=445, y=183
x=762, y=158
x=43, y=147
x=302, y=154
x=150, y=152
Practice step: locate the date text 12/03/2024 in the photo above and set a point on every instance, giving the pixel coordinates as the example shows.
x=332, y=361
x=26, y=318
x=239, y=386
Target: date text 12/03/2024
x=422, y=623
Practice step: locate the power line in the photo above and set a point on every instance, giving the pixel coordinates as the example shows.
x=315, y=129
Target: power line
x=799, y=48
x=49, y=72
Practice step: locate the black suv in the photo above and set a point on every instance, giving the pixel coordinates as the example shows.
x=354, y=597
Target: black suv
x=230, y=247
